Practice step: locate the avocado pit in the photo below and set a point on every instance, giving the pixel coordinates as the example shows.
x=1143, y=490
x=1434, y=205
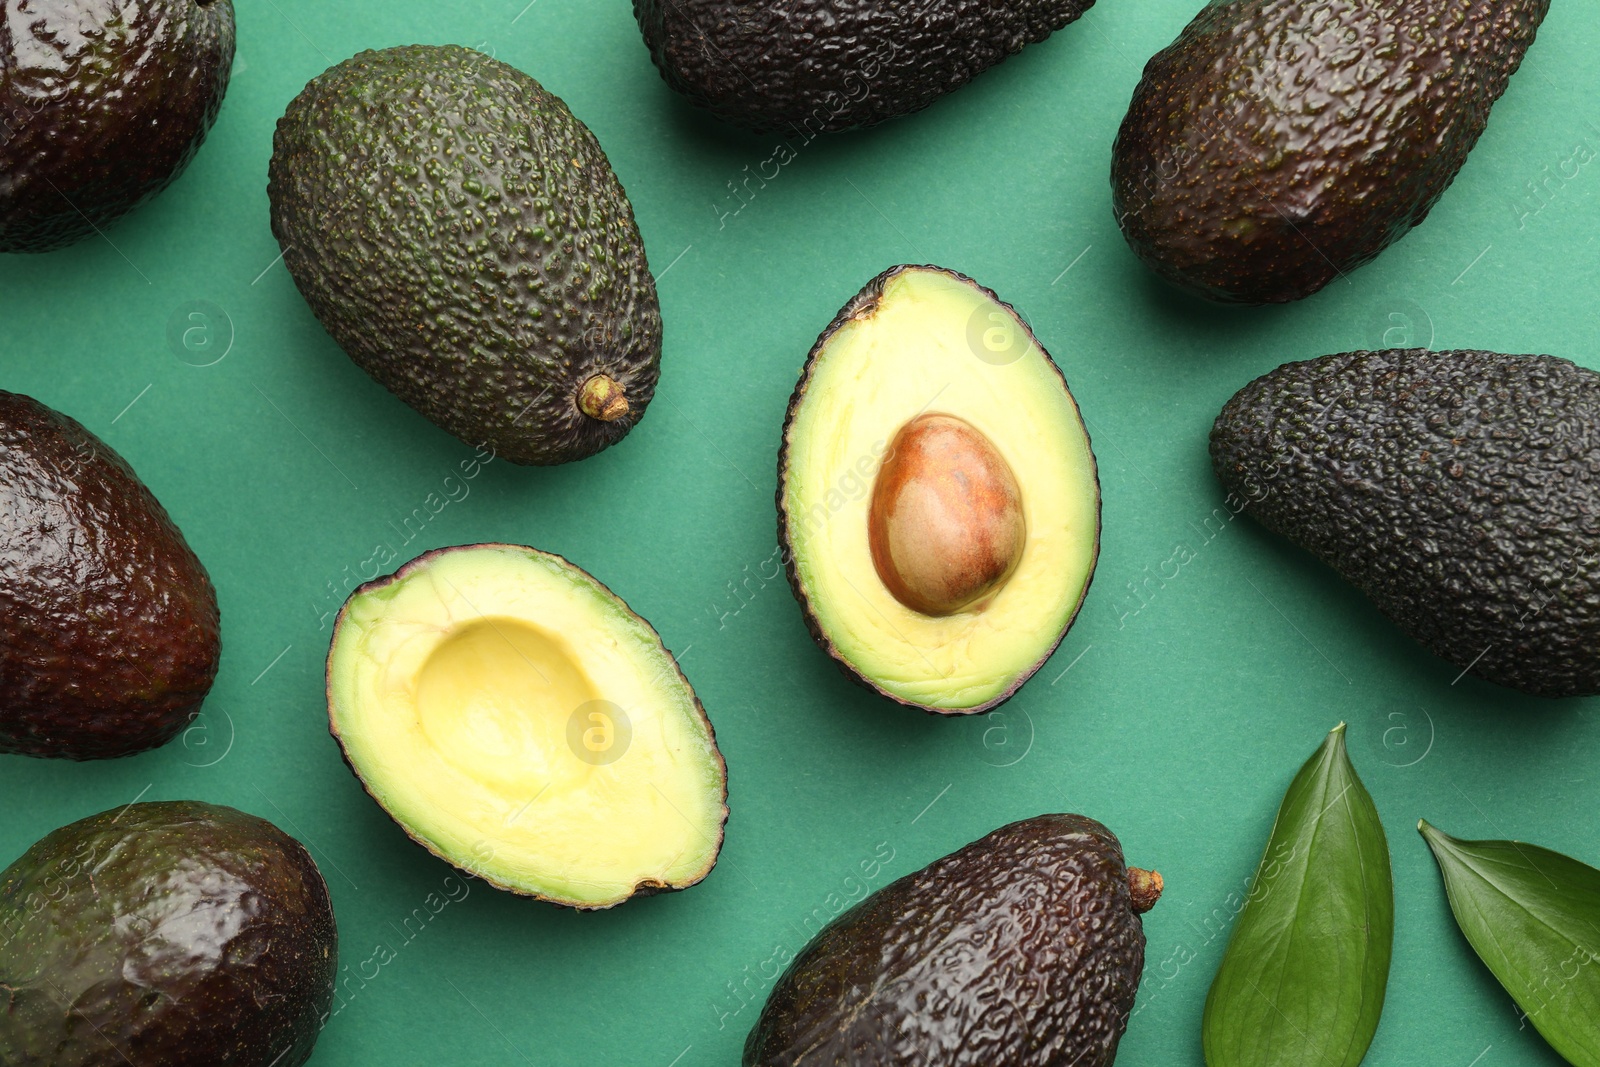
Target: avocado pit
x=945, y=523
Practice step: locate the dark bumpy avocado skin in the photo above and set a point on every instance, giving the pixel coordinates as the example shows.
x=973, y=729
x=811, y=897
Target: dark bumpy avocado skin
x=178, y=933
x=814, y=66
x=1458, y=490
x=1278, y=144
x=461, y=235
x=102, y=104
x=1020, y=950
x=860, y=305
x=110, y=640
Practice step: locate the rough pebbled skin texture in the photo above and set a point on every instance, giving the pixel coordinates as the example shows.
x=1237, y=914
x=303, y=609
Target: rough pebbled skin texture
x=110, y=635
x=1460, y=491
x=1278, y=144
x=462, y=236
x=806, y=67
x=861, y=305
x=179, y=934
x=102, y=104
x=1019, y=950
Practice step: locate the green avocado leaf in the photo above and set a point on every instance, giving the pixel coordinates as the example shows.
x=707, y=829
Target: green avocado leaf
x=1533, y=917
x=1303, y=978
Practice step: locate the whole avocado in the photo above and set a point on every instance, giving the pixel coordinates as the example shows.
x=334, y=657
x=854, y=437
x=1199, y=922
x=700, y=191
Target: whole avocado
x=1023, y=949
x=110, y=635
x=462, y=237
x=815, y=66
x=1457, y=490
x=102, y=104
x=1279, y=144
x=160, y=934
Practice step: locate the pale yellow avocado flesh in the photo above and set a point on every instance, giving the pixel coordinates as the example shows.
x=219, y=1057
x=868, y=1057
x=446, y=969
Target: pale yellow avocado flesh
x=514, y=716
x=936, y=343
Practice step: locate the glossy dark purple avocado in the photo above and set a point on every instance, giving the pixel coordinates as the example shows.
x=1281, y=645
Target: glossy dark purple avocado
x=164, y=934
x=803, y=67
x=1023, y=949
x=102, y=105
x=858, y=306
x=1279, y=144
x=109, y=634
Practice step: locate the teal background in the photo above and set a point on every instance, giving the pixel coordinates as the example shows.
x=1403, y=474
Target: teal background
x=1176, y=711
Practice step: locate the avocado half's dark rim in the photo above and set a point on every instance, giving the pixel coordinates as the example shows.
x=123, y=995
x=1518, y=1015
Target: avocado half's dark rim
x=641, y=889
x=860, y=306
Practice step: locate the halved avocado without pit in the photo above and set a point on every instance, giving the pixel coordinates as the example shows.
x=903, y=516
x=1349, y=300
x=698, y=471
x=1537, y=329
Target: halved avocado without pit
x=518, y=720
x=938, y=501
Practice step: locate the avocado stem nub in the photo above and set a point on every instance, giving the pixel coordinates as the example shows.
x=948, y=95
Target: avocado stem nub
x=1144, y=889
x=602, y=398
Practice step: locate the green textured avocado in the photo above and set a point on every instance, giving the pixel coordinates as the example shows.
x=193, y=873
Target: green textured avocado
x=805, y=67
x=938, y=499
x=103, y=103
x=462, y=237
x=1023, y=949
x=1279, y=144
x=161, y=934
x=1457, y=490
x=110, y=640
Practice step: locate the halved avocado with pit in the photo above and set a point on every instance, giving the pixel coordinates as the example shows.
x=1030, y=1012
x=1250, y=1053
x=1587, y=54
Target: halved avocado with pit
x=938, y=500
x=519, y=721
